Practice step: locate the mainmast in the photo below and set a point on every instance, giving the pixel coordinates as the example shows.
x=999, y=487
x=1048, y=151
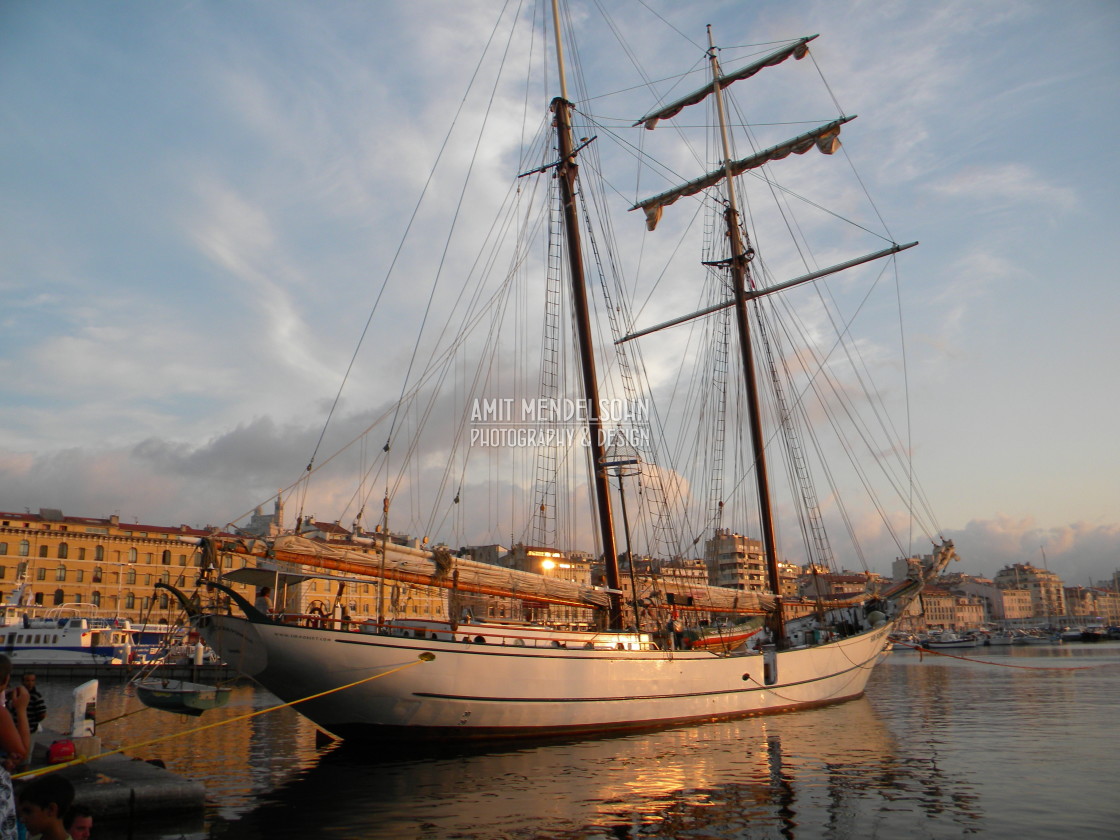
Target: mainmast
x=740, y=260
x=566, y=172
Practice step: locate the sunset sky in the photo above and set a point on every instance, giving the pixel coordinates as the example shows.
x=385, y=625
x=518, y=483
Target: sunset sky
x=197, y=200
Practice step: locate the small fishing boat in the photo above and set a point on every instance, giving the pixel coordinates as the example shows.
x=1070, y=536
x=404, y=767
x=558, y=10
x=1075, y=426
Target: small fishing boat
x=187, y=698
x=950, y=639
x=999, y=638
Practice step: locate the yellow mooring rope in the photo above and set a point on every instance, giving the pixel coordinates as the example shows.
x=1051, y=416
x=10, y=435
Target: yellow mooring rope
x=42, y=771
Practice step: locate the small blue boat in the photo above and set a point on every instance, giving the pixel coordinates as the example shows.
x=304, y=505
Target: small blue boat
x=186, y=698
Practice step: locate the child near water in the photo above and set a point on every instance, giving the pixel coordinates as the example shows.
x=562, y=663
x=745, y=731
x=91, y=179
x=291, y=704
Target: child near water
x=42, y=804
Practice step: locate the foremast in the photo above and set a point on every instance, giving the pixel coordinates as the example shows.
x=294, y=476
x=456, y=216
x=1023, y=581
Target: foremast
x=740, y=276
x=566, y=172
x=826, y=139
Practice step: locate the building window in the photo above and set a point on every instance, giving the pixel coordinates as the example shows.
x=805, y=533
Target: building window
x=99, y=553
x=63, y=551
x=149, y=558
x=43, y=550
x=97, y=572
x=166, y=558
x=38, y=599
x=3, y=548
x=163, y=601
x=130, y=601
x=80, y=575
x=130, y=578
x=24, y=548
x=182, y=559
x=40, y=573
x=60, y=572
x=95, y=598
x=132, y=555
x=59, y=598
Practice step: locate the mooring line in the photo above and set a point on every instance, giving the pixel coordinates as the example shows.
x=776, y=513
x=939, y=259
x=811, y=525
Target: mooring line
x=42, y=771
x=923, y=650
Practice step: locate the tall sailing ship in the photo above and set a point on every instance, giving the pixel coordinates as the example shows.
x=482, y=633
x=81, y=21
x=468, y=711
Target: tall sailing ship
x=459, y=676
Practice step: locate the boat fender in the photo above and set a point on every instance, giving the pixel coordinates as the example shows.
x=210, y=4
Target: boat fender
x=876, y=618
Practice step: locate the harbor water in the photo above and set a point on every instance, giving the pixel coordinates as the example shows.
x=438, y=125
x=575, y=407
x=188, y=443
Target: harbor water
x=1002, y=742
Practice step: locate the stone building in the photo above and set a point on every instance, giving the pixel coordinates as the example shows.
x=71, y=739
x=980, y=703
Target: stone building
x=1048, y=601
x=100, y=565
x=735, y=561
x=1001, y=605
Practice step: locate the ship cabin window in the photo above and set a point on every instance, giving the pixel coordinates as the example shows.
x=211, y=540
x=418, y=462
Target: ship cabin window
x=63, y=551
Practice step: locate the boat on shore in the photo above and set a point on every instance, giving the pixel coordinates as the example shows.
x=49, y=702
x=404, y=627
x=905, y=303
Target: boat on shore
x=460, y=678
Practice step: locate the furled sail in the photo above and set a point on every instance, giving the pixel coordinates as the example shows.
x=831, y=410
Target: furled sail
x=798, y=50
x=826, y=138
x=427, y=568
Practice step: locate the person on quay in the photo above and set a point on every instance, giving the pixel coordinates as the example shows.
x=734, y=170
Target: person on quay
x=42, y=803
x=36, y=705
x=79, y=822
x=15, y=746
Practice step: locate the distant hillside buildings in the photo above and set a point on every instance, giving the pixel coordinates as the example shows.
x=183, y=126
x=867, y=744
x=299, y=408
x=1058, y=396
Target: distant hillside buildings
x=48, y=560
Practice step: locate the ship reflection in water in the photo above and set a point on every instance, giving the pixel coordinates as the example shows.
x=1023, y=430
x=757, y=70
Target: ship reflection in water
x=800, y=775
x=939, y=748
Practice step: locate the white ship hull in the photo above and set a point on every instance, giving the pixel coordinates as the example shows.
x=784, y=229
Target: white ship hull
x=480, y=691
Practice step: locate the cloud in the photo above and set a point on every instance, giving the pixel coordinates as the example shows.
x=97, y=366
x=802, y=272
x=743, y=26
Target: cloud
x=1078, y=552
x=1005, y=185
